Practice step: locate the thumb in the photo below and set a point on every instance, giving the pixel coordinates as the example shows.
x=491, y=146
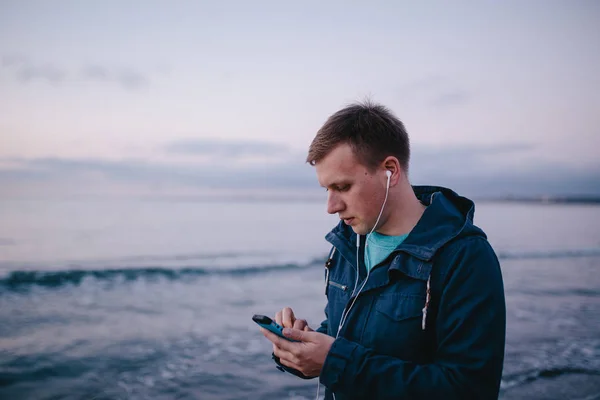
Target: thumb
x=295, y=334
x=301, y=336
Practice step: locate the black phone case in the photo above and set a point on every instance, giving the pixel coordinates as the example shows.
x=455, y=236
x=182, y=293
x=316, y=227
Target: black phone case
x=292, y=371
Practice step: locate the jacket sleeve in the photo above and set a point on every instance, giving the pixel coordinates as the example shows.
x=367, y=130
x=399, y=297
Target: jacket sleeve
x=470, y=336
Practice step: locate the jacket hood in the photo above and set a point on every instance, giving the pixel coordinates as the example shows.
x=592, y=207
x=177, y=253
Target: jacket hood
x=447, y=216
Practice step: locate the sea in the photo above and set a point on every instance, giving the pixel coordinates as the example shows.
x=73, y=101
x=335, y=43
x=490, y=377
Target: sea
x=153, y=298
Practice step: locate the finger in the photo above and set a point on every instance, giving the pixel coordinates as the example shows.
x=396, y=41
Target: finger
x=285, y=356
x=300, y=324
x=301, y=335
x=288, y=317
x=308, y=329
x=278, y=318
x=290, y=364
x=279, y=341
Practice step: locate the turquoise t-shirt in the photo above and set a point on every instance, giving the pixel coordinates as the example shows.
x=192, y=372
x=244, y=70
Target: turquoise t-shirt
x=379, y=247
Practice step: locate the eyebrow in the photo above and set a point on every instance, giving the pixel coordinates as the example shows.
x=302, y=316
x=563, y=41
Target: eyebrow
x=338, y=184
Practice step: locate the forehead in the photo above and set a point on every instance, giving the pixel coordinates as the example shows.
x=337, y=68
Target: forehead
x=340, y=164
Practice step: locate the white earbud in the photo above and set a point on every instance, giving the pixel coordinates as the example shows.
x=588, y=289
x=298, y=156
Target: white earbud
x=388, y=173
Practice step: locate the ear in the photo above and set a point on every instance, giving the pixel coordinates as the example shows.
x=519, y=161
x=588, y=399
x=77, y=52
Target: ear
x=392, y=165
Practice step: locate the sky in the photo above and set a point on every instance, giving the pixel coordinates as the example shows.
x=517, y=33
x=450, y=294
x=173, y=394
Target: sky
x=189, y=98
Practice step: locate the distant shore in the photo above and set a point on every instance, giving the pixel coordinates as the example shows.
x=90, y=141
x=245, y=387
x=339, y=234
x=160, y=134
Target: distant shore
x=294, y=197
x=544, y=199
x=319, y=198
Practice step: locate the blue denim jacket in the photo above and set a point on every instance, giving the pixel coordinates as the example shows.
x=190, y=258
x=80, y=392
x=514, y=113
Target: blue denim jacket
x=386, y=349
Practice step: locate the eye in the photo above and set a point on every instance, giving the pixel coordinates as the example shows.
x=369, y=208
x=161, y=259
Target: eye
x=343, y=188
x=338, y=188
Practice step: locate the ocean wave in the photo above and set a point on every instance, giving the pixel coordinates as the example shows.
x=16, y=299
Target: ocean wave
x=176, y=268
x=181, y=260
x=19, y=280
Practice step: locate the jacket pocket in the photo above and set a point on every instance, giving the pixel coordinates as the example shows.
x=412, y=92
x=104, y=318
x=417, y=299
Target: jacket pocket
x=394, y=328
x=399, y=307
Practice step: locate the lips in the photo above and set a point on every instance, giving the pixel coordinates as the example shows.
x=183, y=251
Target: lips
x=348, y=221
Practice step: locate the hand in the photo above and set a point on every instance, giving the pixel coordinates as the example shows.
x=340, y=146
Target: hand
x=307, y=355
x=287, y=319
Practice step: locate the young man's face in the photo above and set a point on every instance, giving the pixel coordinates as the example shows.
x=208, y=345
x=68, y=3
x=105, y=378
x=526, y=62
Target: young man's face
x=354, y=193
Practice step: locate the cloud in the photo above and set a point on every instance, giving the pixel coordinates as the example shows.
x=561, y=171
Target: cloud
x=10, y=60
x=474, y=171
x=437, y=91
x=470, y=170
x=501, y=170
x=474, y=151
x=545, y=179
x=452, y=98
x=433, y=162
x=47, y=72
x=195, y=175
x=7, y=242
x=427, y=83
x=222, y=148
x=26, y=70
x=128, y=79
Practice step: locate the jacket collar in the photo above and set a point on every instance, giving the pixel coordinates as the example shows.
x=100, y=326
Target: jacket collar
x=447, y=216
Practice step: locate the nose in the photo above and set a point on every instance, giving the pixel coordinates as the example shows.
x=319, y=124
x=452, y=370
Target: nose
x=334, y=203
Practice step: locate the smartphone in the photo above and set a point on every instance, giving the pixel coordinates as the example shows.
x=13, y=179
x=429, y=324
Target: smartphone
x=270, y=325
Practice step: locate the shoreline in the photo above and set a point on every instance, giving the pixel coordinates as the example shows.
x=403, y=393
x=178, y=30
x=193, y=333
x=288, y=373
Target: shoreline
x=542, y=199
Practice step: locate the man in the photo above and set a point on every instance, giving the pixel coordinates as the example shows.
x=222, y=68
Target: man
x=415, y=298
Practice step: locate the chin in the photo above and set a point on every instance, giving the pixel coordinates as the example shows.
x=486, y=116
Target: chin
x=359, y=230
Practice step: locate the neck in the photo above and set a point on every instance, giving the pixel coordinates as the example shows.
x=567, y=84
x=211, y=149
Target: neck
x=405, y=211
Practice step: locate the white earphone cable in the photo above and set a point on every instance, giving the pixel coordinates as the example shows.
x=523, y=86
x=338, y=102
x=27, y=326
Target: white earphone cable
x=345, y=314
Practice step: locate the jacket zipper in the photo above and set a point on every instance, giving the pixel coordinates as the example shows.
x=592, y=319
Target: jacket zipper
x=329, y=282
x=339, y=286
